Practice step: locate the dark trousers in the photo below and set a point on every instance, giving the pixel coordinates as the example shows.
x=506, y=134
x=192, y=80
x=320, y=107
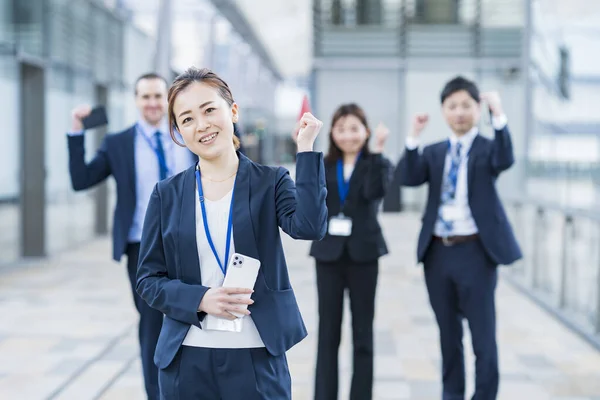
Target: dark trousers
x=461, y=282
x=149, y=326
x=199, y=373
x=361, y=281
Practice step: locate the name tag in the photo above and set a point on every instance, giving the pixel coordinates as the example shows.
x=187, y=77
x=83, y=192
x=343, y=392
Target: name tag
x=340, y=226
x=453, y=213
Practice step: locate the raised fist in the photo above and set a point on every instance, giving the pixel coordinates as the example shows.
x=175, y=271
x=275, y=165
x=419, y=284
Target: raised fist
x=419, y=123
x=77, y=114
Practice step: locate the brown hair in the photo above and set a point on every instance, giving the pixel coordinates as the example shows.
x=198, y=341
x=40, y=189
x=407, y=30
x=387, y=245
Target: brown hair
x=190, y=76
x=335, y=153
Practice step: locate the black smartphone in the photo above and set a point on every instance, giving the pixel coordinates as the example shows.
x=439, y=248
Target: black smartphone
x=96, y=118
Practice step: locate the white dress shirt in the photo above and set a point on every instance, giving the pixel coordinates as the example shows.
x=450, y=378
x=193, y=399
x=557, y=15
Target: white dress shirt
x=212, y=276
x=465, y=225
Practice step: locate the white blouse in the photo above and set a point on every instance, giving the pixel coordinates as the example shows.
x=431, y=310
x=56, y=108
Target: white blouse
x=348, y=169
x=247, y=335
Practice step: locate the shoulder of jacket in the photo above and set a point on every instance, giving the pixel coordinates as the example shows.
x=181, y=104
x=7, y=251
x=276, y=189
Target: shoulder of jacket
x=264, y=171
x=435, y=145
x=121, y=134
x=174, y=181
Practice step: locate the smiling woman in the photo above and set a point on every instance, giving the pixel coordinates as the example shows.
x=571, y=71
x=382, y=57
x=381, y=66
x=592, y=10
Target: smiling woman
x=226, y=206
x=201, y=80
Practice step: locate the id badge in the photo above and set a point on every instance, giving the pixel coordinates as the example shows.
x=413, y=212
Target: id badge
x=453, y=213
x=340, y=226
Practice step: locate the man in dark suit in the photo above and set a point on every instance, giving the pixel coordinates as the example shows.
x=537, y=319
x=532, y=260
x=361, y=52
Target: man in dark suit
x=465, y=233
x=137, y=158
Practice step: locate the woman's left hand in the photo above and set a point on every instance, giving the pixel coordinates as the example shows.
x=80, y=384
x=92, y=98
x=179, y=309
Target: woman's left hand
x=381, y=135
x=306, y=132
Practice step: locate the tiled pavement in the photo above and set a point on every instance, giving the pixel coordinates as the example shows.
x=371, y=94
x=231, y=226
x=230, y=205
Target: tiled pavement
x=67, y=332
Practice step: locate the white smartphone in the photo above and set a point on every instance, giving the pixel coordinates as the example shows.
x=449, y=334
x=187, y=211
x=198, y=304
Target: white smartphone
x=242, y=272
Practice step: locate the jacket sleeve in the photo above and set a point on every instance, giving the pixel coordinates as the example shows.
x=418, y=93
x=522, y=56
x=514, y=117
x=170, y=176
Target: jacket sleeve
x=378, y=177
x=172, y=297
x=301, y=209
x=84, y=176
x=502, y=157
x=412, y=169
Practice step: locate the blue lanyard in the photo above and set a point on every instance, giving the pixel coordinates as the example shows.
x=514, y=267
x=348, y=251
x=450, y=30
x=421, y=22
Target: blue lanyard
x=161, y=157
x=222, y=265
x=343, y=185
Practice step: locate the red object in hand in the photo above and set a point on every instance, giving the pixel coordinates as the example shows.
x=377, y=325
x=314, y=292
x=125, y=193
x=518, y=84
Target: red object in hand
x=305, y=107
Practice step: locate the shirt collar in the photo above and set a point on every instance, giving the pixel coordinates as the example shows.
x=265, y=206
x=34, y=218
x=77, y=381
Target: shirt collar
x=150, y=130
x=465, y=140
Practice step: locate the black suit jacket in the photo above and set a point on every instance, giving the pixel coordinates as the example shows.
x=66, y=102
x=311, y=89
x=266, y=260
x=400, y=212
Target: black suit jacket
x=116, y=157
x=487, y=159
x=368, y=185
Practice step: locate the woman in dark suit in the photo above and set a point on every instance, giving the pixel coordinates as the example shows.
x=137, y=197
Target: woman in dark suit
x=195, y=221
x=347, y=258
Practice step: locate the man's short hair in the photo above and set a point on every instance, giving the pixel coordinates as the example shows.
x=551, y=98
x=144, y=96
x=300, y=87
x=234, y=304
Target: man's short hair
x=456, y=85
x=150, y=75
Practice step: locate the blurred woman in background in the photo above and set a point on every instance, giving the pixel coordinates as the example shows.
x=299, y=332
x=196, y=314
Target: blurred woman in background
x=347, y=258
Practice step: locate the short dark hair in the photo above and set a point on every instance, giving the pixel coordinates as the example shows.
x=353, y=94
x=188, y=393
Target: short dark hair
x=335, y=153
x=456, y=85
x=149, y=75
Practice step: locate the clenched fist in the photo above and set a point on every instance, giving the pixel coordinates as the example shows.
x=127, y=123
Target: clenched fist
x=77, y=114
x=419, y=123
x=381, y=134
x=493, y=101
x=306, y=132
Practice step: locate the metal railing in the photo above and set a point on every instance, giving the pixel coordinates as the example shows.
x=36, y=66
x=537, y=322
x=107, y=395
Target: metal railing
x=560, y=269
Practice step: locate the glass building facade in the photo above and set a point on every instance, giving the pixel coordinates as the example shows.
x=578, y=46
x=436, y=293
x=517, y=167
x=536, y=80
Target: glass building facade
x=56, y=54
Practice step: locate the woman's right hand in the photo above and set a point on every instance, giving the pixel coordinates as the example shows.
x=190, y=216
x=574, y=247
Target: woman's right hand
x=221, y=301
x=381, y=134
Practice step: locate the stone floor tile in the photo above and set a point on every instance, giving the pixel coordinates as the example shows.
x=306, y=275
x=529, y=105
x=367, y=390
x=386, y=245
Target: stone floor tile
x=71, y=324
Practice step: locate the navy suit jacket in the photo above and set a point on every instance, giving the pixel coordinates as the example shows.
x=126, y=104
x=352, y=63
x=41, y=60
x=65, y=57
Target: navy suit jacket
x=265, y=199
x=487, y=159
x=116, y=157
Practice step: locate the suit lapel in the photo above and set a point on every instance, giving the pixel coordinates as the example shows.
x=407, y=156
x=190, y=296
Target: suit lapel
x=187, y=243
x=473, y=154
x=356, y=180
x=439, y=163
x=129, y=149
x=333, y=197
x=243, y=232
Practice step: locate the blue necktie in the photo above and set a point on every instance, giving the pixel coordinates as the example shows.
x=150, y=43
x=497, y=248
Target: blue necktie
x=449, y=186
x=160, y=153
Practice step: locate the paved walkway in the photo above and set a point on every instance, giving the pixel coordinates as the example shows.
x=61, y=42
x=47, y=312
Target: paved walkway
x=67, y=332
